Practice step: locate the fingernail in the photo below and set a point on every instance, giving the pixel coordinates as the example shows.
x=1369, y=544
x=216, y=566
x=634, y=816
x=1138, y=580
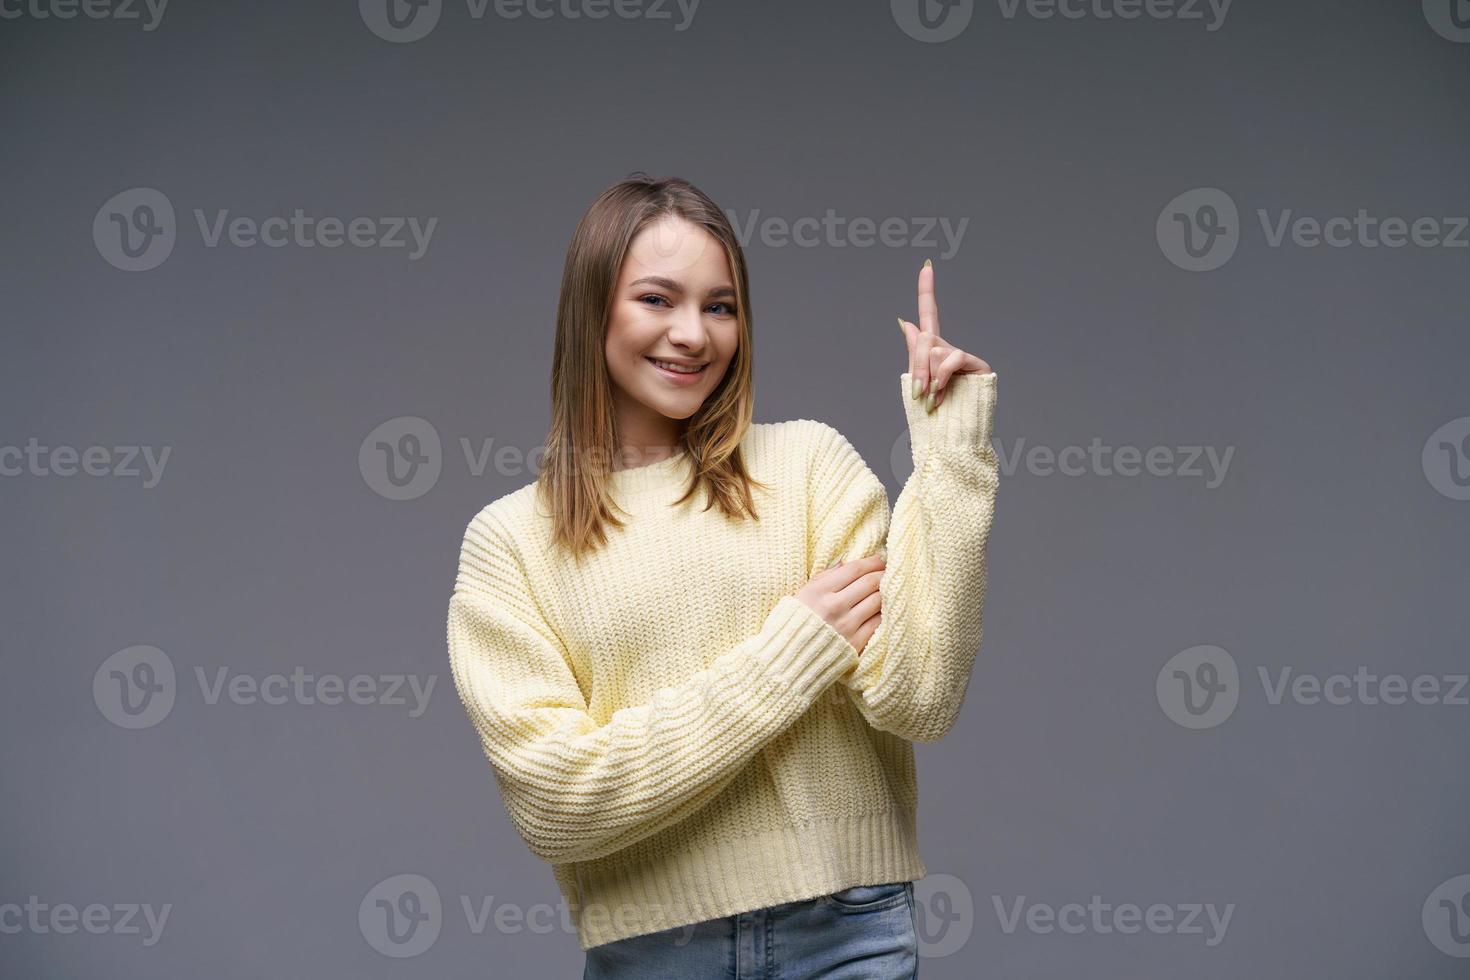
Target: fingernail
x=900, y=327
x=928, y=263
x=929, y=400
x=918, y=387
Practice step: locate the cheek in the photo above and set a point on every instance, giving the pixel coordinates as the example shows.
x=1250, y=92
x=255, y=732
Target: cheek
x=729, y=341
x=624, y=361
x=622, y=337
x=631, y=329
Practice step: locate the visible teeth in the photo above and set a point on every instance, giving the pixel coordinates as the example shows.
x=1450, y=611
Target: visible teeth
x=677, y=368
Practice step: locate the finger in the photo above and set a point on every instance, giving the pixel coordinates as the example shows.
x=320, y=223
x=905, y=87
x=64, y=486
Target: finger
x=867, y=608
x=865, y=632
x=862, y=589
x=910, y=335
x=850, y=571
x=908, y=330
x=928, y=306
x=948, y=364
x=938, y=351
x=923, y=344
x=944, y=362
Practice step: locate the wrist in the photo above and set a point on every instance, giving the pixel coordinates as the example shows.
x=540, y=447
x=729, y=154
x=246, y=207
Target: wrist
x=963, y=420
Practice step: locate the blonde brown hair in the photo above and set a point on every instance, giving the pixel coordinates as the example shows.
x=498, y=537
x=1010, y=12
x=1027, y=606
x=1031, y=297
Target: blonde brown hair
x=583, y=438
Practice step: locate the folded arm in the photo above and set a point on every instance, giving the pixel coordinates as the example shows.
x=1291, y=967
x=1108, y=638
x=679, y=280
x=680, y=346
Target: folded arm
x=913, y=673
x=576, y=789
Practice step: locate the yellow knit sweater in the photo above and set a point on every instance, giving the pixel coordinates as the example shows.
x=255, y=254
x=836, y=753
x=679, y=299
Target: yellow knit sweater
x=678, y=735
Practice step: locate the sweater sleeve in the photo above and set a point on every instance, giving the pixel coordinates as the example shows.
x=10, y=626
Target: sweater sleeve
x=913, y=673
x=576, y=789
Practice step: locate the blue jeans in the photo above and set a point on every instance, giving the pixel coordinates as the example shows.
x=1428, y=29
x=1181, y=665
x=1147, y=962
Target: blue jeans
x=862, y=933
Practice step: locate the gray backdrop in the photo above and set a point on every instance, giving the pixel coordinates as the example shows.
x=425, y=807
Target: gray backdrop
x=1217, y=727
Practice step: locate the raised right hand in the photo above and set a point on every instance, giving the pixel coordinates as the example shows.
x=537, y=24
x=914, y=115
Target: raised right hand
x=847, y=597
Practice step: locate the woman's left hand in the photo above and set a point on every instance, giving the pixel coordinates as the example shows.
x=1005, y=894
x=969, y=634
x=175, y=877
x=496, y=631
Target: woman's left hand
x=931, y=358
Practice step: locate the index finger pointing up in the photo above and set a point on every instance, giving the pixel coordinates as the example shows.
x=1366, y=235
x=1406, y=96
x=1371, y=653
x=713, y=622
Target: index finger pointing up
x=928, y=308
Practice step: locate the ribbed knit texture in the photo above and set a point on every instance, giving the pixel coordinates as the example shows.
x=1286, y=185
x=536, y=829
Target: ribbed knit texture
x=678, y=735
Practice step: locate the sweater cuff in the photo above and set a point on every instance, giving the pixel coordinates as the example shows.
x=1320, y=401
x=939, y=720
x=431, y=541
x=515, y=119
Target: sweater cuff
x=962, y=421
x=807, y=653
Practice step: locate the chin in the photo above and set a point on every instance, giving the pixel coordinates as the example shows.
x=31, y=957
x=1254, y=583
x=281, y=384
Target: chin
x=676, y=408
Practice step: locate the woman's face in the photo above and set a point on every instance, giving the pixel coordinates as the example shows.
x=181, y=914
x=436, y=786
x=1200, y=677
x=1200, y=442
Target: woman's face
x=674, y=302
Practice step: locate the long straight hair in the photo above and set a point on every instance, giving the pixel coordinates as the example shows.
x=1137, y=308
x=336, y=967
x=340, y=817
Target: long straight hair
x=583, y=438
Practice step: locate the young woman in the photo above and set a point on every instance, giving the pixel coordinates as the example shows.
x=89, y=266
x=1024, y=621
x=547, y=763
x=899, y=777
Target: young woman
x=694, y=650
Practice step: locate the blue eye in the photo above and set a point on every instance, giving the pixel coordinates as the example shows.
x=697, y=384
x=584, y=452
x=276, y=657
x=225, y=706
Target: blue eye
x=719, y=309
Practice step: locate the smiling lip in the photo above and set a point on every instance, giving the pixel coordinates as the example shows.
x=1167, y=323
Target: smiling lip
x=677, y=377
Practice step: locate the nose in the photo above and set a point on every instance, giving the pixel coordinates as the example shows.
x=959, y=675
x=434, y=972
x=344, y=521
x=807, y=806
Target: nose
x=687, y=329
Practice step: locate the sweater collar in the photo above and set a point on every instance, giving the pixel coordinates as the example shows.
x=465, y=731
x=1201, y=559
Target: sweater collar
x=665, y=472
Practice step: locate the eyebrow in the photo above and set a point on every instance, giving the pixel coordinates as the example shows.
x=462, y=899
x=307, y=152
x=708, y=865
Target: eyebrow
x=674, y=287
